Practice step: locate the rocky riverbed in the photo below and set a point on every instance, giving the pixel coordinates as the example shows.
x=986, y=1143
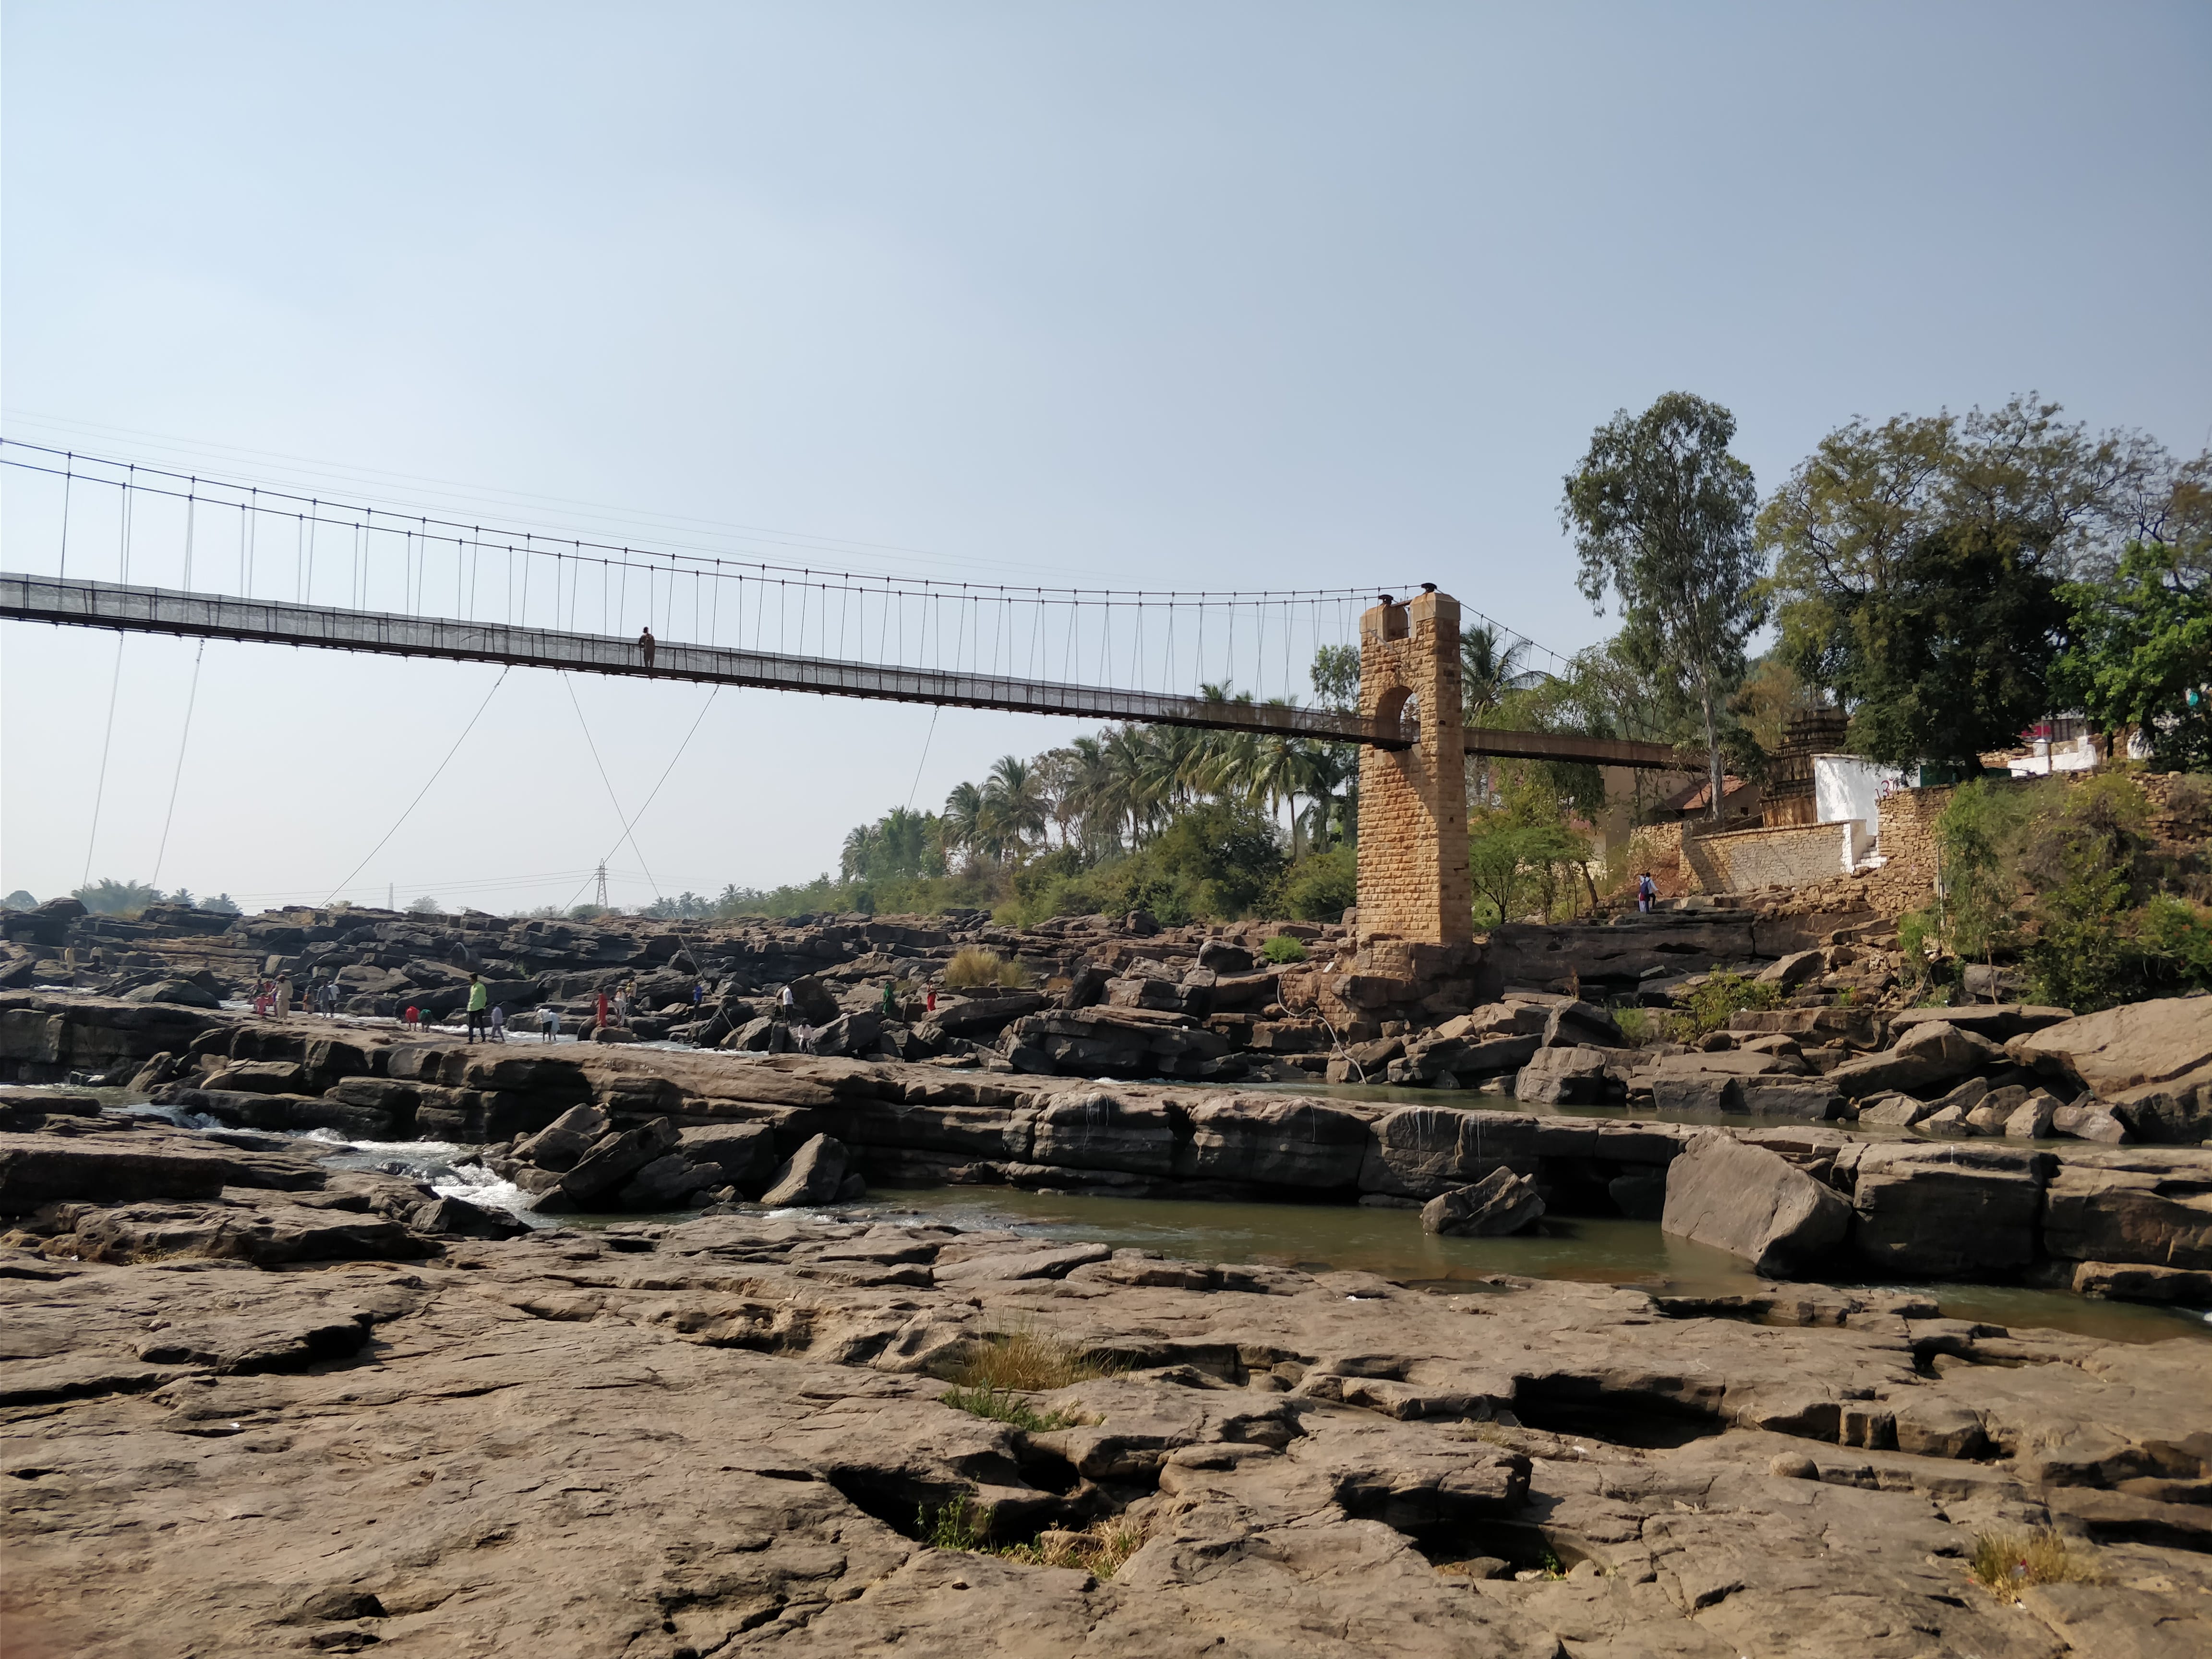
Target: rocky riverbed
x=737, y=1434
x=273, y=1382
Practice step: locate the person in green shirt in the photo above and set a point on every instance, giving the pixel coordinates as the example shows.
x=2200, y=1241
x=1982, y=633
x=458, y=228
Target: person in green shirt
x=890, y=999
x=478, y=996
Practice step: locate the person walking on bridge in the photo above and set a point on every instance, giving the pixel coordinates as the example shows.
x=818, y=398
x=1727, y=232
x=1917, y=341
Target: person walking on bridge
x=645, y=646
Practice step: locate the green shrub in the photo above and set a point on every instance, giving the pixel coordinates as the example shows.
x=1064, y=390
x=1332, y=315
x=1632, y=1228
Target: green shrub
x=1005, y=1405
x=1722, y=996
x=1319, y=887
x=1283, y=948
x=962, y=1524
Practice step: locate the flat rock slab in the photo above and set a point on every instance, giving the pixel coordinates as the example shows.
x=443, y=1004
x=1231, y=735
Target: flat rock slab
x=695, y=1438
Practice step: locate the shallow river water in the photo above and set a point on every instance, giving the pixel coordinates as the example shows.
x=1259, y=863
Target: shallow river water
x=1388, y=1242
x=1391, y=1242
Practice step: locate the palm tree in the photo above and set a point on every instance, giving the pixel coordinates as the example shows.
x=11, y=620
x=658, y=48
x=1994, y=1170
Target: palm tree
x=966, y=826
x=1013, y=802
x=1086, y=793
x=1490, y=669
x=1490, y=672
x=859, y=851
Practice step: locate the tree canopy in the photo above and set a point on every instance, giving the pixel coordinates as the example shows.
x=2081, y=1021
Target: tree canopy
x=2141, y=653
x=1918, y=566
x=1661, y=513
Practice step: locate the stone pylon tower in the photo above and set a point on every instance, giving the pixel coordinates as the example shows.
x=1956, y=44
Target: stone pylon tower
x=1412, y=801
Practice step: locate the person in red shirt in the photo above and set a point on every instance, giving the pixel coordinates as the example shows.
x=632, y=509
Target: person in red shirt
x=603, y=1007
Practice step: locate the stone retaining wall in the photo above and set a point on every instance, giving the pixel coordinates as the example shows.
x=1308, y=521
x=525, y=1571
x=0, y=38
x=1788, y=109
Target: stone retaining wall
x=1795, y=855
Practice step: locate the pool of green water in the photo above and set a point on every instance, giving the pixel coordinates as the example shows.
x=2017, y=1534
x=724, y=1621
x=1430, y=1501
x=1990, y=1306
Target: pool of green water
x=1391, y=1242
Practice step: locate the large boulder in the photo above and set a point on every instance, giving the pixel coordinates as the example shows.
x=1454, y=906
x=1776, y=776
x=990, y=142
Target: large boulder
x=813, y=1175
x=668, y=1182
x=1929, y=1057
x=744, y=1152
x=610, y=1161
x=1273, y=1140
x=980, y=1019
x=182, y=991
x=261, y=1076
x=38, y=1169
x=1500, y=1203
x=1752, y=1204
x=1581, y=1023
x=1861, y=1028
x=562, y=1143
x=1094, y=1129
x=2153, y=1207
x=1999, y=1022
x=2162, y=1045
x=1420, y=1152
x=1811, y=1098
x=1573, y=1076
x=1714, y=1082
x=1448, y=1062
x=1117, y=1042
x=1948, y=1210
x=850, y=1035
x=1794, y=970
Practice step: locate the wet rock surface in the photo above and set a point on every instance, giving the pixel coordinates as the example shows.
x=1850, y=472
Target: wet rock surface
x=718, y=1438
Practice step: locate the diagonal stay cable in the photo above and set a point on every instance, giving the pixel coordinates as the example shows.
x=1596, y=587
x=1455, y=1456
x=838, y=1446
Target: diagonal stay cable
x=612, y=797
x=177, y=776
x=649, y=800
x=919, y=764
x=107, y=744
x=425, y=789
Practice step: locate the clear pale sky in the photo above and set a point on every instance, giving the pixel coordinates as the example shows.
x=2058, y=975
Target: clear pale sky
x=1154, y=294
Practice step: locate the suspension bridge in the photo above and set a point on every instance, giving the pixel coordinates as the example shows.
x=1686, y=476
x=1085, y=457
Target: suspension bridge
x=1021, y=649
x=259, y=564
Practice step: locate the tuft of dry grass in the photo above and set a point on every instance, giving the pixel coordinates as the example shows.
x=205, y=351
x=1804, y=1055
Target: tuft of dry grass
x=1026, y=1361
x=1100, y=1549
x=973, y=967
x=2005, y=1562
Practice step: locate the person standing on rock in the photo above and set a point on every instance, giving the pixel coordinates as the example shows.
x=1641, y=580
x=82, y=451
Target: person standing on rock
x=645, y=647
x=890, y=999
x=549, y=1024
x=478, y=996
x=282, y=1001
x=1647, y=891
x=499, y=1023
x=602, y=1019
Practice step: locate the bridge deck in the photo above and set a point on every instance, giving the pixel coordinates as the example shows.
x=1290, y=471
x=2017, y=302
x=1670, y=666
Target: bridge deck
x=161, y=610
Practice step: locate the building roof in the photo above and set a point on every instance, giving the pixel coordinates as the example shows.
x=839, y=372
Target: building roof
x=1696, y=797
